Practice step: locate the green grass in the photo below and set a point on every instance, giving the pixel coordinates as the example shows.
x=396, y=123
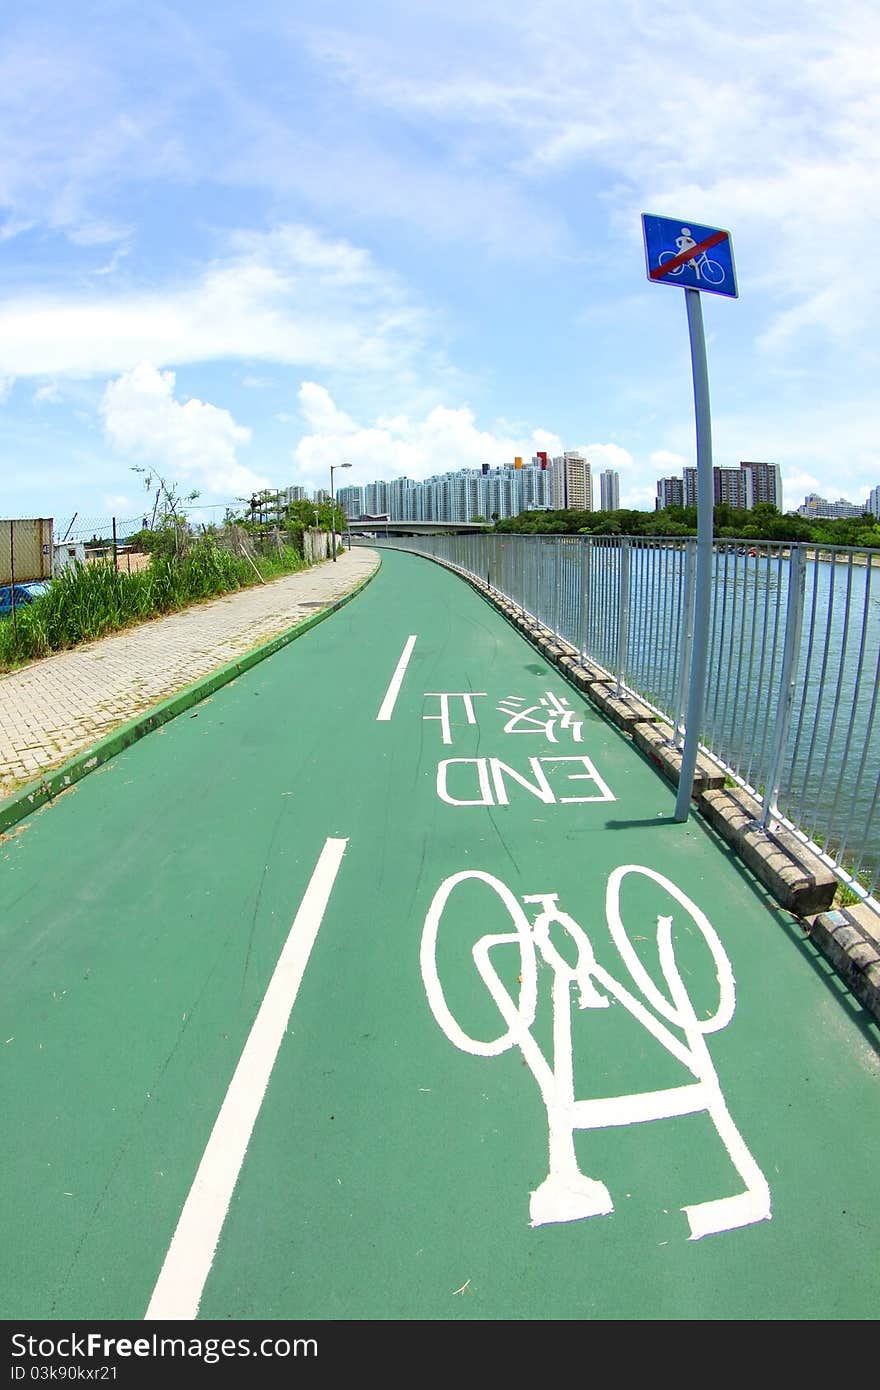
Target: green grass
x=844, y=896
x=89, y=601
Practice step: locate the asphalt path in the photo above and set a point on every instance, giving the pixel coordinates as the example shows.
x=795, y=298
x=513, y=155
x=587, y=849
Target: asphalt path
x=383, y=985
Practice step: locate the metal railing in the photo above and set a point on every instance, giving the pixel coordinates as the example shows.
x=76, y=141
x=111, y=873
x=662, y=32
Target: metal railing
x=794, y=660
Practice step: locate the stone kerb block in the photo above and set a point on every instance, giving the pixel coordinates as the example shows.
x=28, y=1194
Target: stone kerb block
x=623, y=710
x=850, y=938
x=655, y=740
x=796, y=877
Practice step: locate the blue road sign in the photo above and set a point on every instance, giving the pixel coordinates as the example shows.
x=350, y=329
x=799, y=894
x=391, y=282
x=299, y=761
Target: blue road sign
x=688, y=255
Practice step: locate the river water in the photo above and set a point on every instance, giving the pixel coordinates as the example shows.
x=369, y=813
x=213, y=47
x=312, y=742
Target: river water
x=827, y=774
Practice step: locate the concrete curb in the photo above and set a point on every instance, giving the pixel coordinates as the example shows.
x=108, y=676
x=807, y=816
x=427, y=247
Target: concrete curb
x=850, y=938
x=798, y=879
x=656, y=741
x=31, y=797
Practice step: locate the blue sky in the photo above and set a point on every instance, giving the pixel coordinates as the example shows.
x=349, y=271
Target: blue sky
x=241, y=242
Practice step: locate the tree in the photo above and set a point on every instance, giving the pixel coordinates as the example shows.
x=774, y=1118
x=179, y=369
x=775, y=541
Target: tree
x=302, y=513
x=763, y=522
x=168, y=527
x=166, y=492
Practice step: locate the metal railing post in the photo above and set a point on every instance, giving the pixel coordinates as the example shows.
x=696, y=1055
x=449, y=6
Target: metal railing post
x=623, y=612
x=586, y=555
x=687, y=637
x=791, y=650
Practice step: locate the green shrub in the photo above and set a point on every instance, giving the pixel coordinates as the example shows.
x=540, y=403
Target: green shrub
x=89, y=601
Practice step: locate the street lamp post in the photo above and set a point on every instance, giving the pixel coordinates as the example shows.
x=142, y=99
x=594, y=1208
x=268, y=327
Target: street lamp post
x=333, y=468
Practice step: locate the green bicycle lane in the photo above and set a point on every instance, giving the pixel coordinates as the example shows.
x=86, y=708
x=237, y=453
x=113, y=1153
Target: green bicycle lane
x=383, y=985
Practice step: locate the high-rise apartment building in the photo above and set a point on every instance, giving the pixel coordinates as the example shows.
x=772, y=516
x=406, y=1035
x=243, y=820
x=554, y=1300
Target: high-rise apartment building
x=731, y=485
x=376, y=499
x=763, y=484
x=536, y=492
x=534, y=481
x=872, y=504
x=670, y=493
x=609, y=490
x=460, y=495
x=816, y=506
x=457, y=495
x=572, y=485
x=405, y=499
x=351, y=500
x=728, y=485
x=740, y=487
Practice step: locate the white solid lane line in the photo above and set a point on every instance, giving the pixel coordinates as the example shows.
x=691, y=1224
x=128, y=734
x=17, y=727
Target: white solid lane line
x=188, y=1262
x=391, y=693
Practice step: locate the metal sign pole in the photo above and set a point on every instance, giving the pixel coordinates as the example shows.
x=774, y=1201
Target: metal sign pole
x=674, y=252
x=705, y=501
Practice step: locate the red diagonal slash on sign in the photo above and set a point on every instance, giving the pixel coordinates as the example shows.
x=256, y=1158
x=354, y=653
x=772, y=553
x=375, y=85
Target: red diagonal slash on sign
x=689, y=255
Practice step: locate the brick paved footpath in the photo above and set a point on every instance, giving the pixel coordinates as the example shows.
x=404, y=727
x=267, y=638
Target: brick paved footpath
x=54, y=708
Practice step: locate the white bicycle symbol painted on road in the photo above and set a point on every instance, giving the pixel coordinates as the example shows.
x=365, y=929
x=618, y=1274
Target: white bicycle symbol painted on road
x=567, y=1194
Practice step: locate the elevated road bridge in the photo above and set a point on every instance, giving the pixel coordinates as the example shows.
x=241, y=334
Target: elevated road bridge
x=378, y=526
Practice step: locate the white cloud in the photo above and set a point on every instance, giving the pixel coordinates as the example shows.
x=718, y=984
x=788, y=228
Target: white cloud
x=602, y=456
x=48, y=394
x=13, y=227
x=468, y=136
x=795, y=487
x=110, y=267
x=798, y=485
x=289, y=296
x=665, y=459
x=192, y=444
x=640, y=499
x=321, y=413
x=763, y=119
x=70, y=126
x=442, y=441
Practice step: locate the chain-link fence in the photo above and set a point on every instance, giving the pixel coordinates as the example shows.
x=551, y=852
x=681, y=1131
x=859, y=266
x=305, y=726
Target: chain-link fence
x=92, y=530
x=90, y=538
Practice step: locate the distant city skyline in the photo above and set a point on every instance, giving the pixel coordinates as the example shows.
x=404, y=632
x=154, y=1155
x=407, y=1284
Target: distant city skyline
x=740, y=487
x=546, y=483
x=457, y=495
x=463, y=494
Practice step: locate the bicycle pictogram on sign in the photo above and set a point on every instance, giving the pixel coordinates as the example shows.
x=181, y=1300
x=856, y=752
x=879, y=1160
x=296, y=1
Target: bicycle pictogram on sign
x=677, y=253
